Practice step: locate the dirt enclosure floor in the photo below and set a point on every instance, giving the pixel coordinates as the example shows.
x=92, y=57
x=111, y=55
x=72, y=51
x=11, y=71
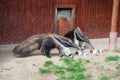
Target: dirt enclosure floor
x=13, y=68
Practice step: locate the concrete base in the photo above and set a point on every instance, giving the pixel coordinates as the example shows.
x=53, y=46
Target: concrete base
x=7, y=48
x=112, y=41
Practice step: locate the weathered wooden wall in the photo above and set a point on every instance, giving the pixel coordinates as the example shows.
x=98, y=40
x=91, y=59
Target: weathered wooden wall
x=20, y=19
x=95, y=17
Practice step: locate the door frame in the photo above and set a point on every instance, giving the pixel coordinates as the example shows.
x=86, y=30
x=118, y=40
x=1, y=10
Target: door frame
x=72, y=20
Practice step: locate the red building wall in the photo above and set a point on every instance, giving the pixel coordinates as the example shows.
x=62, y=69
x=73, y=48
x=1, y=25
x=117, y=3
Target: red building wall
x=20, y=19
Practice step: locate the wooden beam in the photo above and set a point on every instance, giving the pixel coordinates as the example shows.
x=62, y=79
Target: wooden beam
x=115, y=15
x=113, y=33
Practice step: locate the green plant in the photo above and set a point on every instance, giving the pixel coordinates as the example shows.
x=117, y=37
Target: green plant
x=112, y=58
x=104, y=77
x=95, y=63
x=72, y=69
x=48, y=63
x=87, y=61
x=117, y=65
x=34, y=64
x=44, y=71
x=102, y=67
x=117, y=50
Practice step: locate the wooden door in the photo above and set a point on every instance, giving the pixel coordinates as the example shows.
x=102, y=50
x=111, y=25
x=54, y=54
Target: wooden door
x=64, y=21
x=63, y=25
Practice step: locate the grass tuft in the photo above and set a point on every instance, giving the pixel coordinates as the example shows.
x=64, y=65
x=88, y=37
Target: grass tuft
x=117, y=50
x=104, y=77
x=48, y=63
x=44, y=71
x=117, y=65
x=112, y=58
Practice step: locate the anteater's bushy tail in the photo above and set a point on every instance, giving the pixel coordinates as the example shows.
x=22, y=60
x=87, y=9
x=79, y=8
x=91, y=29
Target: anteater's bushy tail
x=26, y=47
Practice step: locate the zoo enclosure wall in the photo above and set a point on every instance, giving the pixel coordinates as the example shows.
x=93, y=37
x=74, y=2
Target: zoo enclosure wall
x=20, y=19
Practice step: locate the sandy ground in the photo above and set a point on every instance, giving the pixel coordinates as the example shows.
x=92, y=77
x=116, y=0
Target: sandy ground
x=13, y=68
